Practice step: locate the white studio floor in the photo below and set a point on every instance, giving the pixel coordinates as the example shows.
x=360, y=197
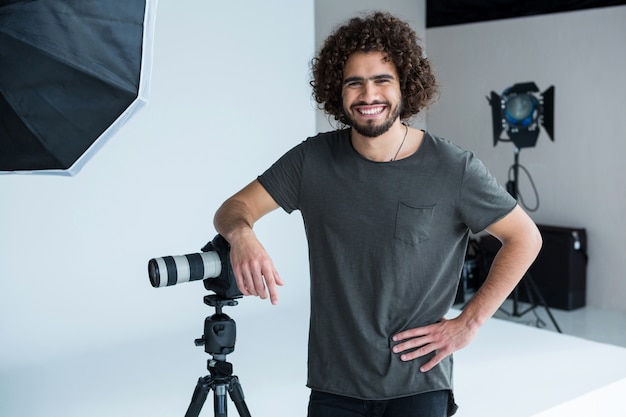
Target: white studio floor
x=510, y=370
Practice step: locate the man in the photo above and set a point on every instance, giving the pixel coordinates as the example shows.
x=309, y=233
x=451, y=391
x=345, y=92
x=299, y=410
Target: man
x=387, y=210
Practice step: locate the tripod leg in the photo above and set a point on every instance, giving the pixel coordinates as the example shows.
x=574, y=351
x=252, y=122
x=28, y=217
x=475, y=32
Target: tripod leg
x=199, y=396
x=533, y=304
x=236, y=394
x=529, y=294
x=543, y=302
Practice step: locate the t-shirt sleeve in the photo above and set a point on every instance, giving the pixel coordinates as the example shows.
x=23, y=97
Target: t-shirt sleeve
x=482, y=201
x=283, y=179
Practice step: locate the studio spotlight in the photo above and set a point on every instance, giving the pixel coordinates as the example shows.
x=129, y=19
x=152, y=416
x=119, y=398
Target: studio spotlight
x=520, y=110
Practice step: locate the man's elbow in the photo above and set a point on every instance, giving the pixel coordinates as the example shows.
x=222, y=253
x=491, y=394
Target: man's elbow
x=534, y=241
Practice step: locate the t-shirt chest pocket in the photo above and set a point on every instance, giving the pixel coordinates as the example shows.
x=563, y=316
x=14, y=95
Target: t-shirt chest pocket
x=413, y=222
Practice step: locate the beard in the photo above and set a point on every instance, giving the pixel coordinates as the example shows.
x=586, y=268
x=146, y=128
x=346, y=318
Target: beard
x=370, y=129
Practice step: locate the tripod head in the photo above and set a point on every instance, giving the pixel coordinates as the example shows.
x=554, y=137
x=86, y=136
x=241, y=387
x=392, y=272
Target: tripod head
x=220, y=331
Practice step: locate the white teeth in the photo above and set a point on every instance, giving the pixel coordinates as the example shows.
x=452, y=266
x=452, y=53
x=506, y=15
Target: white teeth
x=372, y=111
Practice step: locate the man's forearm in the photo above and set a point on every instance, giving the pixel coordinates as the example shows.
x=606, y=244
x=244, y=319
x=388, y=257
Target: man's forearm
x=508, y=268
x=232, y=219
x=236, y=217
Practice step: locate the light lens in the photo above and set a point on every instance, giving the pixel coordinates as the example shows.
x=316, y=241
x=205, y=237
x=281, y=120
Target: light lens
x=520, y=109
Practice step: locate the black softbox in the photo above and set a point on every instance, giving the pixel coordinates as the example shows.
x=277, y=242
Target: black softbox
x=71, y=73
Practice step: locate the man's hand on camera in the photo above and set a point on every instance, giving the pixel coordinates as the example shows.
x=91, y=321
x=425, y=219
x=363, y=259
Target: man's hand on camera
x=254, y=270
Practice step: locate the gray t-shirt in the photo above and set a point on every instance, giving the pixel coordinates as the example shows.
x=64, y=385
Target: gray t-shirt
x=387, y=242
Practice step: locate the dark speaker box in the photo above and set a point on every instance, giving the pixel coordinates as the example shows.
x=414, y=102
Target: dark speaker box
x=560, y=270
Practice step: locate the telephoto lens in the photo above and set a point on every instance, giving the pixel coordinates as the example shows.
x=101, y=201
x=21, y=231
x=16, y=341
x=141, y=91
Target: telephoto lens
x=172, y=270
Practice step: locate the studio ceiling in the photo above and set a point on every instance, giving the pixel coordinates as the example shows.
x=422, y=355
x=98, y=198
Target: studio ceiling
x=455, y=12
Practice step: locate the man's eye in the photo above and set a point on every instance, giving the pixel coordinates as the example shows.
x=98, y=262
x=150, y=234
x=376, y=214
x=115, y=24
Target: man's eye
x=354, y=84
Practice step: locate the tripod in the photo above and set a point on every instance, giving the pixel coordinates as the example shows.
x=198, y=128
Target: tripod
x=218, y=340
x=532, y=290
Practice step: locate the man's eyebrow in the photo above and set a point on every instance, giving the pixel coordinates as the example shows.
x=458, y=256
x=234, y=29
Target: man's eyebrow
x=373, y=78
x=383, y=77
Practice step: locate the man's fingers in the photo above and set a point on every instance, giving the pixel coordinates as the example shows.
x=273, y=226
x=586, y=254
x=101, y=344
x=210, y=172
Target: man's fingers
x=253, y=281
x=433, y=362
x=278, y=280
x=259, y=286
x=423, y=346
x=272, y=286
x=247, y=283
x=412, y=333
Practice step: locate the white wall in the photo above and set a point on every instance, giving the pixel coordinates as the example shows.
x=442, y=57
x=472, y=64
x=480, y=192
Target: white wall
x=329, y=14
x=579, y=177
x=229, y=95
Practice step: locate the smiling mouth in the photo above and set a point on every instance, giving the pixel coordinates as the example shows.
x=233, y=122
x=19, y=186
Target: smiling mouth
x=370, y=111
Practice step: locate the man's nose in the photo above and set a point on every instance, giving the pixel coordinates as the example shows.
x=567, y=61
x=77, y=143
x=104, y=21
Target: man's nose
x=369, y=92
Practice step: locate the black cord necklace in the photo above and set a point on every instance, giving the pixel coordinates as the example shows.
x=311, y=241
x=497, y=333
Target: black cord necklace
x=406, y=131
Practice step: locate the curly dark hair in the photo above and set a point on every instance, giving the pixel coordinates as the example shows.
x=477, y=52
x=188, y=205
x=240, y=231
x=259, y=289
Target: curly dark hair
x=381, y=32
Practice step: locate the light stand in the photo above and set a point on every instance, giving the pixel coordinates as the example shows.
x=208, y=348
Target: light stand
x=527, y=281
